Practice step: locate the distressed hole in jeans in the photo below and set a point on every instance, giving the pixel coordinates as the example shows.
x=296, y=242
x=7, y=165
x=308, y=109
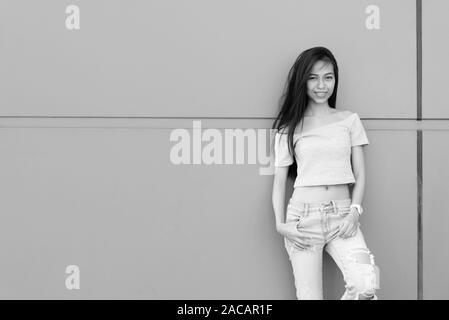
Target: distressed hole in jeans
x=365, y=266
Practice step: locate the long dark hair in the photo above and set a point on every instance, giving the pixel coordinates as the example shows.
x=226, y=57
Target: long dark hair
x=294, y=100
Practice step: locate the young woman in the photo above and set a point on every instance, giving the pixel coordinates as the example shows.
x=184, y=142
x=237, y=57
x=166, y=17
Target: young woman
x=324, y=147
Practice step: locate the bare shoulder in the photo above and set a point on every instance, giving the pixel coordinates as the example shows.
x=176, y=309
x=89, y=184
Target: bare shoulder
x=343, y=114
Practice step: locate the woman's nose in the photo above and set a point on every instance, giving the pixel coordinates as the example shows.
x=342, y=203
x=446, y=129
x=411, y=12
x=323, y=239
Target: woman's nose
x=321, y=83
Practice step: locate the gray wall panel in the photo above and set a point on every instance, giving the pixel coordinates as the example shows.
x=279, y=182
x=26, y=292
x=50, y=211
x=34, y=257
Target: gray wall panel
x=435, y=53
x=110, y=201
x=102, y=193
x=436, y=214
x=198, y=58
x=435, y=155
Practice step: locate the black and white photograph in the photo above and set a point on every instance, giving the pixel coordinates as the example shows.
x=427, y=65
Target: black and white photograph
x=224, y=150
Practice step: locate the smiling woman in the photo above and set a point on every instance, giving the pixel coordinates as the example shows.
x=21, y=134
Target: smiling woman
x=323, y=148
x=321, y=83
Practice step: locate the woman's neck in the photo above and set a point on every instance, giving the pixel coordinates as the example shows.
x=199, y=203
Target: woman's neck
x=314, y=109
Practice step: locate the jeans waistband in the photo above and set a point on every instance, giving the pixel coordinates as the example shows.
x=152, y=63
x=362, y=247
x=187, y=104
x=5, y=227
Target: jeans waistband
x=319, y=205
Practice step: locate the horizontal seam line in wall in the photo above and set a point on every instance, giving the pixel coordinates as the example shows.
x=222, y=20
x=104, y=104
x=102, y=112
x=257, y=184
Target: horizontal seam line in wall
x=181, y=117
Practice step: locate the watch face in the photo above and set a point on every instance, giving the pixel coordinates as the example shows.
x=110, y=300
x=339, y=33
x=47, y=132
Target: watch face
x=358, y=208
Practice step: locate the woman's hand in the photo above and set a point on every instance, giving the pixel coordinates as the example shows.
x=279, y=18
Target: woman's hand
x=348, y=227
x=294, y=237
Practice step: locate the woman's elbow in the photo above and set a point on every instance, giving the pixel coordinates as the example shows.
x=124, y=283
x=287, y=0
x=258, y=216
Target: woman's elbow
x=280, y=174
x=359, y=176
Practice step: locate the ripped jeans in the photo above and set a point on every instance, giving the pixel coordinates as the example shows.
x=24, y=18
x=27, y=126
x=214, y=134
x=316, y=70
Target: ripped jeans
x=318, y=223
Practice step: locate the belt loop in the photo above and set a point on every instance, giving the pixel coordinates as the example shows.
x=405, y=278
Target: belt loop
x=307, y=207
x=335, y=206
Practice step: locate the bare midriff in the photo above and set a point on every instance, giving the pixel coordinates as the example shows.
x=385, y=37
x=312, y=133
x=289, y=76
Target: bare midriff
x=321, y=193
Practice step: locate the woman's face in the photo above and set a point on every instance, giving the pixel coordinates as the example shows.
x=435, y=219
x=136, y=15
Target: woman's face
x=321, y=82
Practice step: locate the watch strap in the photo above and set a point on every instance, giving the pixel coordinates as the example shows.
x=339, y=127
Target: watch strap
x=358, y=208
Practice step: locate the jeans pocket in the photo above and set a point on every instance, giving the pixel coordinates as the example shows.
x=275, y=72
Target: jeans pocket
x=295, y=214
x=343, y=211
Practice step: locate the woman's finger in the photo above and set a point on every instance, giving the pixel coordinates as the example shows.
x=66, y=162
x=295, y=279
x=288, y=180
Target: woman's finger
x=295, y=242
x=350, y=231
x=354, y=230
x=300, y=247
x=301, y=243
x=343, y=228
x=297, y=245
x=303, y=247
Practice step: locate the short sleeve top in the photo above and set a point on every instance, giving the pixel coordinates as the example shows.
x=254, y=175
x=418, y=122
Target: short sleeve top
x=323, y=154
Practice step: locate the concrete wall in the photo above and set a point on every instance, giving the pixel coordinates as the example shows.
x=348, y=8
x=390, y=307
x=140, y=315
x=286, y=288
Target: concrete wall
x=86, y=117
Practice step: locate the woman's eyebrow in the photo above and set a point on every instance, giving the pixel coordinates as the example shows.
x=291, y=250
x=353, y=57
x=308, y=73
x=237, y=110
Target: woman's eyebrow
x=314, y=74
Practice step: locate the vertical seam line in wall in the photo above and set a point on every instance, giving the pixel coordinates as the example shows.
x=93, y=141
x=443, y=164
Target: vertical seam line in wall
x=419, y=142
x=419, y=59
x=420, y=215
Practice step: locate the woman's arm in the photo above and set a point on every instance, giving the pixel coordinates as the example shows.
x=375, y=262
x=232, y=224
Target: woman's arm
x=278, y=197
x=358, y=167
x=350, y=223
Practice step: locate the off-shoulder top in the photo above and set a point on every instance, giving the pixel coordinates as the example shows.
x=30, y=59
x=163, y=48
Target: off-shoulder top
x=323, y=154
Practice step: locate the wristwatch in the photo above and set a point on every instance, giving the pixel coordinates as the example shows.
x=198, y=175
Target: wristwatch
x=358, y=207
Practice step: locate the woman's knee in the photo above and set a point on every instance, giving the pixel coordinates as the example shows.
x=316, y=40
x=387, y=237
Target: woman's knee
x=363, y=275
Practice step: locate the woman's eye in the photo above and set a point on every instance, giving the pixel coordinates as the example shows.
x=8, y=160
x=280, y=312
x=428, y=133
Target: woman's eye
x=327, y=78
